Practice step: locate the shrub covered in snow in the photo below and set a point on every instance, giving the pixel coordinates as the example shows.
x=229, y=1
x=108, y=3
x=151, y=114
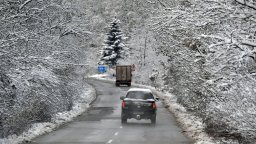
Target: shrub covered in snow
x=39, y=43
x=211, y=50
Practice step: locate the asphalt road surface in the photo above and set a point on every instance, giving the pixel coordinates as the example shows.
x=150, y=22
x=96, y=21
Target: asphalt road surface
x=101, y=124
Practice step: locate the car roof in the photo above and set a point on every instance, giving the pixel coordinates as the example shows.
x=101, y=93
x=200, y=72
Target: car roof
x=140, y=89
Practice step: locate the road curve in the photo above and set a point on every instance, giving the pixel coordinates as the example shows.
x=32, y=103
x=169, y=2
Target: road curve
x=101, y=124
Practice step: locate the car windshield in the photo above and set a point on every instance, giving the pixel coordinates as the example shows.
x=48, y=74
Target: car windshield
x=139, y=95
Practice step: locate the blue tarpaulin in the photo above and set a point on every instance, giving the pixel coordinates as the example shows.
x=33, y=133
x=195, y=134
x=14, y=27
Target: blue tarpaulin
x=102, y=69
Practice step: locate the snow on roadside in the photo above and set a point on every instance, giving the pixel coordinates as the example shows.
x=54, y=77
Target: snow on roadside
x=60, y=118
x=192, y=126
x=104, y=77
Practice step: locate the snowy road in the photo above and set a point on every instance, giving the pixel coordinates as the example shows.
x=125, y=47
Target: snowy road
x=102, y=125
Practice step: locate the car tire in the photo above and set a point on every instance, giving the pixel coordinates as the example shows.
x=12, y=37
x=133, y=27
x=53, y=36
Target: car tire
x=153, y=119
x=117, y=84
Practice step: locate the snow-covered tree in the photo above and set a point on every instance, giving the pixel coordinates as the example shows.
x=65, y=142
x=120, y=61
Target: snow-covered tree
x=113, y=46
x=39, y=43
x=211, y=66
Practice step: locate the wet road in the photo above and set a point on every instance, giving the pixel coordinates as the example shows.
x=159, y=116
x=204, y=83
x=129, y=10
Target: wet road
x=101, y=124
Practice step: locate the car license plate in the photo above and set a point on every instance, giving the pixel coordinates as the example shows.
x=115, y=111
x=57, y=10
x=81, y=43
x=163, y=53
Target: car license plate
x=138, y=113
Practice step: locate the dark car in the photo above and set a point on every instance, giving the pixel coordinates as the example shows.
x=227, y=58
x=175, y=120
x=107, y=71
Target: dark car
x=139, y=104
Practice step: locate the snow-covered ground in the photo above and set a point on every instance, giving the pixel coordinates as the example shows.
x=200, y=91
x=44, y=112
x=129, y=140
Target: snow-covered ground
x=80, y=106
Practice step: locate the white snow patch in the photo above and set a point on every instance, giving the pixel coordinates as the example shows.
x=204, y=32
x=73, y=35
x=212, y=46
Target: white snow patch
x=104, y=76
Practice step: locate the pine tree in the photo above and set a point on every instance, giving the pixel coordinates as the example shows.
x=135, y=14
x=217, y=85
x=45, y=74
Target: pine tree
x=113, y=45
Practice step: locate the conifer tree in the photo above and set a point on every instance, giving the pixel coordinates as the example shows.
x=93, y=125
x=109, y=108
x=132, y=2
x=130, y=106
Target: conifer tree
x=113, y=45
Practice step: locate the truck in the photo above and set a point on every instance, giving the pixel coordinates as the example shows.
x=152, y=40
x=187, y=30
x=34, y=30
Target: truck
x=123, y=75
